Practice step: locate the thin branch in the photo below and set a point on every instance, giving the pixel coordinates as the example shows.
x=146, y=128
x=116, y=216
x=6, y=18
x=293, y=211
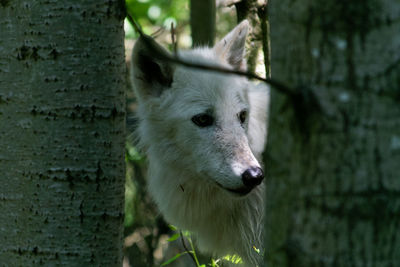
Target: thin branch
x=162, y=55
x=193, y=251
x=186, y=249
x=157, y=32
x=135, y=25
x=229, y=3
x=173, y=39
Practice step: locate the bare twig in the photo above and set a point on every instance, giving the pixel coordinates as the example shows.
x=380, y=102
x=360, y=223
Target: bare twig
x=158, y=32
x=173, y=39
x=135, y=25
x=229, y=3
x=162, y=55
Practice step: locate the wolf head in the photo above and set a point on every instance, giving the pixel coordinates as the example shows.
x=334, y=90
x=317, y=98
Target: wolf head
x=206, y=125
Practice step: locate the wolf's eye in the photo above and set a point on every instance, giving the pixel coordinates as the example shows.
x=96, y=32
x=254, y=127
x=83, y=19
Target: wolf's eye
x=242, y=116
x=203, y=120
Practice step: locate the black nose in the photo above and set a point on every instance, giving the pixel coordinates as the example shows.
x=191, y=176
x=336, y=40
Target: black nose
x=252, y=176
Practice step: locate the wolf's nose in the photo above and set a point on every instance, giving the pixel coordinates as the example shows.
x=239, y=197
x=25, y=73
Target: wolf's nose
x=252, y=176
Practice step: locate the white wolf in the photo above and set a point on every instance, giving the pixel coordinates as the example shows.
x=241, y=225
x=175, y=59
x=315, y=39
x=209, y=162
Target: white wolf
x=203, y=133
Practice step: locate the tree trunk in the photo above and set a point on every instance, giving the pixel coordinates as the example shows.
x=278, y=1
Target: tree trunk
x=202, y=22
x=333, y=175
x=265, y=37
x=62, y=131
x=247, y=9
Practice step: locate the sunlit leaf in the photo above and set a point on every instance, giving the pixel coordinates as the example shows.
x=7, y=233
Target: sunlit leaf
x=133, y=154
x=174, y=237
x=186, y=234
x=235, y=259
x=172, y=259
x=172, y=227
x=256, y=249
x=214, y=263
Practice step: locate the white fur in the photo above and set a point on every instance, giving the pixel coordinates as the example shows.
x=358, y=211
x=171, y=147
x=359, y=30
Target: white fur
x=191, y=168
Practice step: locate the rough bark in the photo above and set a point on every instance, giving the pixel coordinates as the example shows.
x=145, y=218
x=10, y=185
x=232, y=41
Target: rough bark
x=265, y=37
x=62, y=131
x=333, y=177
x=202, y=22
x=254, y=11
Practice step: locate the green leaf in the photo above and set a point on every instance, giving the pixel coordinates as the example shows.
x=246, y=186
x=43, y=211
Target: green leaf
x=256, y=249
x=133, y=154
x=173, y=237
x=214, y=263
x=235, y=259
x=172, y=259
x=172, y=227
x=186, y=234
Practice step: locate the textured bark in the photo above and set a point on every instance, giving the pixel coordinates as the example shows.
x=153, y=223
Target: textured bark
x=62, y=130
x=202, y=22
x=266, y=41
x=254, y=12
x=333, y=177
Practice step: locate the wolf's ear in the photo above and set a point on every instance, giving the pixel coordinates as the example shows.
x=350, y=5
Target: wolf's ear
x=232, y=47
x=150, y=76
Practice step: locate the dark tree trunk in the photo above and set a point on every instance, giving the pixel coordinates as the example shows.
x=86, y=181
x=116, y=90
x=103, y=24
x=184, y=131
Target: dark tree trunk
x=202, y=22
x=62, y=131
x=334, y=179
x=255, y=12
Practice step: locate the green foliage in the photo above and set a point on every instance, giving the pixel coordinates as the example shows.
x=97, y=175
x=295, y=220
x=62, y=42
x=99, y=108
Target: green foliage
x=156, y=13
x=130, y=193
x=173, y=237
x=235, y=259
x=132, y=154
x=174, y=258
x=186, y=235
x=256, y=249
x=133, y=160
